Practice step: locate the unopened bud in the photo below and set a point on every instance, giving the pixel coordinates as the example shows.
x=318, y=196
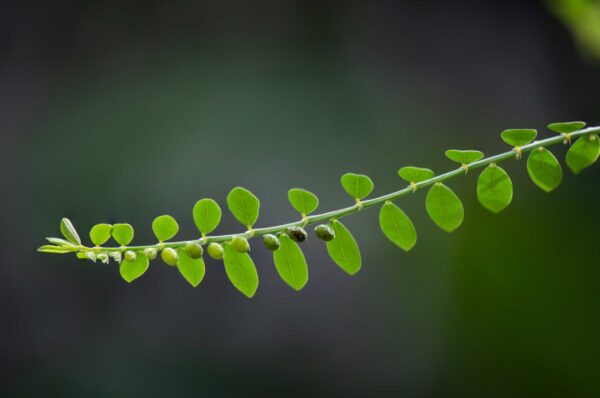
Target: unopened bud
x=130, y=256
x=150, y=253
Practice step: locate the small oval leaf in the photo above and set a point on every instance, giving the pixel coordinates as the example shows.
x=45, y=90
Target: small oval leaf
x=415, y=174
x=444, y=207
x=583, y=153
x=192, y=269
x=131, y=270
x=290, y=263
x=55, y=249
x=494, y=188
x=544, y=169
x=243, y=205
x=207, y=215
x=305, y=202
x=518, y=137
x=464, y=157
x=397, y=227
x=60, y=242
x=566, y=127
x=100, y=233
x=241, y=271
x=69, y=232
x=164, y=227
x=357, y=185
x=343, y=249
x=122, y=234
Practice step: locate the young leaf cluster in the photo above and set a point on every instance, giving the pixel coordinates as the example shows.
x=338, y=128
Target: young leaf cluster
x=444, y=207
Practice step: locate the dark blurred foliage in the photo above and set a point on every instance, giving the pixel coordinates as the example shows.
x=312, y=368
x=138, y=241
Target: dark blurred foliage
x=121, y=111
x=582, y=18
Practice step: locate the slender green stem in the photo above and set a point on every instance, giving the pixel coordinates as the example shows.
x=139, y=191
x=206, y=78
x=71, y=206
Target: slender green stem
x=336, y=214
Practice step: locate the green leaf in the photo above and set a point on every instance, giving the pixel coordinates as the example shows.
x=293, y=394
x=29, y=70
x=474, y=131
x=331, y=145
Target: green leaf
x=290, y=263
x=131, y=270
x=583, y=153
x=55, y=249
x=164, y=227
x=494, y=188
x=415, y=174
x=464, y=157
x=241, y=271
x=397, y=227
x=243, y=205
x=60, y=242
x=69, y=232
x=343, y=249
x=207, y=215
x=544, y=169
x=444, y=207
x=518, y=137
x=191, y=269
x=100, y=233
x=357, y=185
x=566, y=127
x=303, y=201
x=122, y=233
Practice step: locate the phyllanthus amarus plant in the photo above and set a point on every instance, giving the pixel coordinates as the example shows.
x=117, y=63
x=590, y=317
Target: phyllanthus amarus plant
x=494, y=191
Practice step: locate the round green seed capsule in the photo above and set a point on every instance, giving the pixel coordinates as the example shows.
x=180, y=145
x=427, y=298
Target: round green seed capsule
x=194, y=250
x=169, y=256
x=240, y=244
x=271, y=242
x=324, y=232
x=215, y=250
x=130, y=256
x=297, y=234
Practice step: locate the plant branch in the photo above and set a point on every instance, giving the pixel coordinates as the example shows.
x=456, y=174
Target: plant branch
x=336, y=214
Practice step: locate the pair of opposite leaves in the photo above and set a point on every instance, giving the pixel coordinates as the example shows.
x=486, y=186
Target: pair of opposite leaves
x=442, y=204
x=543, y=167
x=494, y=187
x=289, y=259
x=206, y=214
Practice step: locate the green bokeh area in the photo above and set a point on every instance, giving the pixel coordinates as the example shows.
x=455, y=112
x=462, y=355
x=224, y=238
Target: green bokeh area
x=170, y=104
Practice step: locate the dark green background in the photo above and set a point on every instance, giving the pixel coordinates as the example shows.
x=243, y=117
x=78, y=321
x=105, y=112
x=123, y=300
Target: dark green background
x=120, y=111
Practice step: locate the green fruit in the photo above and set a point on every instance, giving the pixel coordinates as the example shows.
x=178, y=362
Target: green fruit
x=297, y=234
x=240, y=244
x=130, y=256
x=194, y=250
x=169, y=256
x=324, y=232
x=215, y=250
x=271, y=242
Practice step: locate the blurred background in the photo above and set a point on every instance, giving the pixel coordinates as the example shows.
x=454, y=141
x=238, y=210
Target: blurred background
x=118, y=111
